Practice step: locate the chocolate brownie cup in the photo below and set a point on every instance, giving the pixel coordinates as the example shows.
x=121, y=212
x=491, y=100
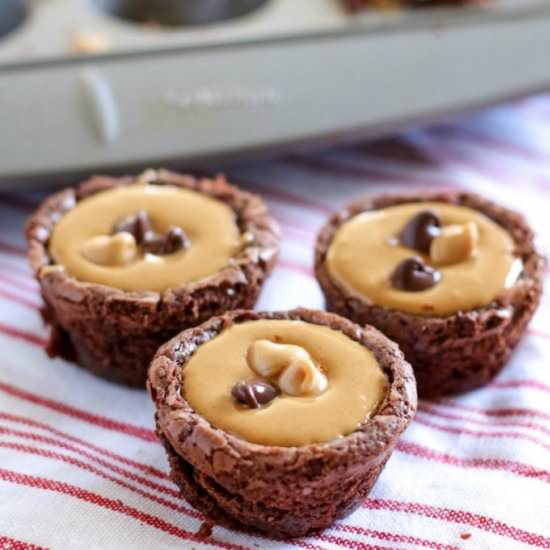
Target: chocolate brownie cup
x=453, y=278
x=288, y=432
x=125, y=263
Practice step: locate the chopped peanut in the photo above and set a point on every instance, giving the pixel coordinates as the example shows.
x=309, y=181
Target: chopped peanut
x=455, y=244
x=294, y=367
x=110, y=250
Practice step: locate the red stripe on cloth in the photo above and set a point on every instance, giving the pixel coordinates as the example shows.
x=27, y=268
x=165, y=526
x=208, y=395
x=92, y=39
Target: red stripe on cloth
x=498, y=144
x=393, y=537
x=23, y=270
x=439, y=149
x=502, y=412
x=496, y=464
x=364, y=174
x=464, y=431
x=537, y=332
x=146, y=468
x=21, y=300
x=24, y=335
x=461, y=517
x=67, y=459
x=285, y=197
x=296, y=222
x=85, y=454
x=297, y=236
x=446, y=151
x=12, y=249
x=20, y=281
x=512, y=384
x=395, y=149
x=293, y=266
x=498, y=423
x=109, y=504
x=91, y=418
x=7, y=543
x=340, y=542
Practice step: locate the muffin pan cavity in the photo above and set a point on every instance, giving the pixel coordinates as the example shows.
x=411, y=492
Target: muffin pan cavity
x=176, y=13
x=12, y=15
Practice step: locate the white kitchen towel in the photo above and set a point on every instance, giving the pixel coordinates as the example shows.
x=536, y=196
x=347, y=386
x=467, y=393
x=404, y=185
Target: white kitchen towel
x=80, y=467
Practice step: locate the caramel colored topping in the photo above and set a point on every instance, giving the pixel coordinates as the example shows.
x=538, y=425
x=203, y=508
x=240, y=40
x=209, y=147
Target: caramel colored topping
x=296, y=371
x=206, y=238
x=115, y=250
x=455, y=244
x=420, y=231
x=363, y=256
x=253, y=394
x=356, y=384
x=413, y=275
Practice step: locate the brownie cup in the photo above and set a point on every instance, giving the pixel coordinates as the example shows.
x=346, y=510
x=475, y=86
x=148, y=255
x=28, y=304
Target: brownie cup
x=288, y=432
x=125, y=263
x=454, y=281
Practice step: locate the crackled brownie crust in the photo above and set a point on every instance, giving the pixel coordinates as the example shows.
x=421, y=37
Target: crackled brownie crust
x=459, y=352
x=282, y=491
x=114, y=333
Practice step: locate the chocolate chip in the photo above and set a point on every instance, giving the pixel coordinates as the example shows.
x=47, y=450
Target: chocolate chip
x=138, y=225
x=413, y=275
x=420, y=231
x=254, y=394
x=170, y=242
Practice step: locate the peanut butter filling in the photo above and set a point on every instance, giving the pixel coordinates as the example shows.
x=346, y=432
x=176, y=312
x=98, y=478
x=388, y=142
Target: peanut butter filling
x=339, y=382
x=193, y=236
x=472, y=257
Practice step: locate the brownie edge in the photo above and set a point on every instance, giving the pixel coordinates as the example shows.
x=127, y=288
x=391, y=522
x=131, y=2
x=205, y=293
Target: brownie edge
x=114, y=333
x=459, y=352
x=280, y=491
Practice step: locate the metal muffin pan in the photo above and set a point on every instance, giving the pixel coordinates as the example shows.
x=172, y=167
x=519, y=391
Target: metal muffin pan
x=40, y=30
x=227, y=77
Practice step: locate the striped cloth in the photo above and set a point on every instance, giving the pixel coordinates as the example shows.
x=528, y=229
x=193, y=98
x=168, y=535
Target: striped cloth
x=80, y=466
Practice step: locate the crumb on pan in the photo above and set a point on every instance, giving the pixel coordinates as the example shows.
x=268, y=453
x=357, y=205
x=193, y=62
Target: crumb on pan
x=88, y=42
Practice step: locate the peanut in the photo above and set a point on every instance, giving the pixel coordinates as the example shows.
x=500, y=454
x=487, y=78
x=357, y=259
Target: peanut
x=294, y=367
x=302, y=377
x=269, y=359
x=110, y=250
x=455, y=244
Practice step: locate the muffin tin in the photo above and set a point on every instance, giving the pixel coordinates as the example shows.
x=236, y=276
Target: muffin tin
x=105, y=84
